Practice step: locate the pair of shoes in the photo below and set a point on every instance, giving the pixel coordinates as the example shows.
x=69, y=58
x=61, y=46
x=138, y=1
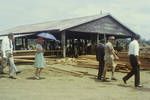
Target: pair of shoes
x=99, y=78
x=17, y=72
x=113, y=78
x=105, y=80
x=36, y=77
x=12, y=77
x=139, y=86
x=2, y=73
x=125, y=82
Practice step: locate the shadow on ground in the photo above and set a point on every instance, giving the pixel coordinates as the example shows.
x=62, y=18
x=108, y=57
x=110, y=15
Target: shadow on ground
x=144, y=89
x=33, y=78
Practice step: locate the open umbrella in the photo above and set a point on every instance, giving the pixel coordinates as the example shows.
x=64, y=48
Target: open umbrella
x=46, y=35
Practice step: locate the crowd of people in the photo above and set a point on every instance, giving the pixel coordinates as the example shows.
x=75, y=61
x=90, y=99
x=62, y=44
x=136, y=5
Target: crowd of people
x=105, y=54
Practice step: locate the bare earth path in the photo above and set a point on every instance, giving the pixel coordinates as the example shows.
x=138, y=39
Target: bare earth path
x=63, y=86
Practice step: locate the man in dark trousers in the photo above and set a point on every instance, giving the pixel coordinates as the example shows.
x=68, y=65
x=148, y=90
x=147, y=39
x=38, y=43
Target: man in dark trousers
x=100, y=57
x=134, y=61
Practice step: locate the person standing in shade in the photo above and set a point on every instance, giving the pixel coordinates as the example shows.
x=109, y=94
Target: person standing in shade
x=100, y=52
x=39, y=58
x=7, y=56
x=134, y=61
x=109, y=57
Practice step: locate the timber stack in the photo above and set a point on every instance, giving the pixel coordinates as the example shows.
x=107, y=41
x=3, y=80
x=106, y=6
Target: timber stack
x=86, y=61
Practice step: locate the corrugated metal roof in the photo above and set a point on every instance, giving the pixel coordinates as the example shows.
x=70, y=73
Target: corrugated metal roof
x=52, y=25
x=18, y=35
x=2, y=37
x=57, y=25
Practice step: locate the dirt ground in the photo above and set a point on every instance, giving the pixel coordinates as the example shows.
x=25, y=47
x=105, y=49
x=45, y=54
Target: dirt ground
x=59, y=85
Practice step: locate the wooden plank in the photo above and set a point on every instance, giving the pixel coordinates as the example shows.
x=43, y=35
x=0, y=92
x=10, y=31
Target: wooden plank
x=24, y=57
x=86, y=73
x=23, y=61
x=73, y=73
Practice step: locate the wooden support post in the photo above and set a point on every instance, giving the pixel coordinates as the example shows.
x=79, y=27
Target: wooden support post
x=63, y=43
x=26, y=43
x=22, y=42
x=14, y=44
x=97, y=38
x=105, y=40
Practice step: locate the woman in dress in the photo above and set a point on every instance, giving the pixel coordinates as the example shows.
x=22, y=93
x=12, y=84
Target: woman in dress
x=39, y=57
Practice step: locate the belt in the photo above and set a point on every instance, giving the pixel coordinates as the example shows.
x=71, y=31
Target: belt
x=133, y=55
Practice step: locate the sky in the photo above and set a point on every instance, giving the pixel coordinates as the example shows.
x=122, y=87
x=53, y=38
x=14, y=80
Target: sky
x=135, y=14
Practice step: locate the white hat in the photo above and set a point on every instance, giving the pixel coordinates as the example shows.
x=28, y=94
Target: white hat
x=111, y=37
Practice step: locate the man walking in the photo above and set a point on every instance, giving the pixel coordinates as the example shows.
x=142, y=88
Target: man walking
x=7, y=55
x=109, y=57
x=134, y=61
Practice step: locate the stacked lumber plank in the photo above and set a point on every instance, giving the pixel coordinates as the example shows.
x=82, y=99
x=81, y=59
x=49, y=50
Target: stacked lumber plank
x=73, y=70
x=23, y=61
x=144, y=58
x=89, y=61
x=27, y=56
x=32, y=52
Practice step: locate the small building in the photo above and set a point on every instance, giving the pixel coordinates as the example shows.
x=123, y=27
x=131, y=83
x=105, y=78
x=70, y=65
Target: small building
x=82, y=30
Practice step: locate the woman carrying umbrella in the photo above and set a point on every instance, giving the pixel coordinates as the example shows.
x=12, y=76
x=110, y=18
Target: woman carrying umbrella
x=39, y=57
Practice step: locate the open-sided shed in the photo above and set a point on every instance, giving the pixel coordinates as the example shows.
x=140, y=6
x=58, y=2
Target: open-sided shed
x=89, y=27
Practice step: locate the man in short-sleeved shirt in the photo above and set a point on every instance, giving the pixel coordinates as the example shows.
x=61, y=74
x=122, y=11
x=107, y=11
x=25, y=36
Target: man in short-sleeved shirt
x=109, y=57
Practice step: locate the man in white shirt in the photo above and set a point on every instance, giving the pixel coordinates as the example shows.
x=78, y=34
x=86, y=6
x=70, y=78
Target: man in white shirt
x=134, y=61
x=7, y=55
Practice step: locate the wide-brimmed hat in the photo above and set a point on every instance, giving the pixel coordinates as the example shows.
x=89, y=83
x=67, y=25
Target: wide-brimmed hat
x=111, y=37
